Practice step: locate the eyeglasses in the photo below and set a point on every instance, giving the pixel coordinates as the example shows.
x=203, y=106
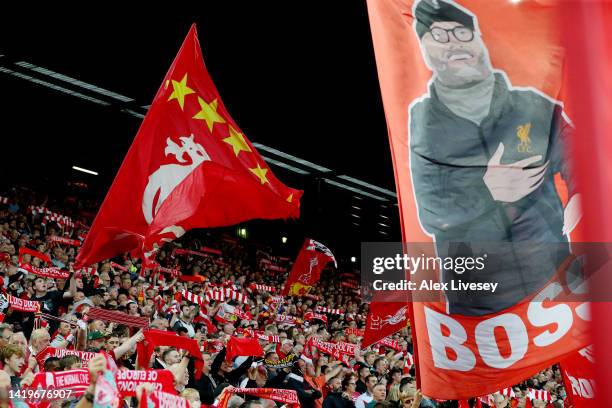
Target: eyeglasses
x=461, y=33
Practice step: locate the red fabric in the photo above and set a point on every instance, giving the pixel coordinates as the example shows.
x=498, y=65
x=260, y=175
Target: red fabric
x=394, y=344
x=192, y=278
x=450, y=354
x=52, y=272
x=242, y=347
x=23, y=305
x=44, y=354
x=356, y=332
x=189, y=150
x=117, y=266
x=64, y=241
x=76, y=381
x=154, y=338
x=464, y=404
x=280, y=395
x=306, y=270
x=384, y=319
x=117, y=317
x=590, y=100
x=578, y=373
x=128, y=380
x=317, y=316
x=161, y=399
x=211, y=250
x=34, y=254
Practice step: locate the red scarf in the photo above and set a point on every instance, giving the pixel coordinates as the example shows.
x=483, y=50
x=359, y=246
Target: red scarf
x=285, y=396
x=23, y=305
x=317, y=316
x=265, y=288
x=34, y=254
x=154, y=338
x=261, y=336
x=161, y=399
x=76, y=381
x=64, y=241
x=211, y=250
x=52, y=272
x=179, y=251
x=128, y=380
x=121, y=268
x=117, y=317
x=44, y=354
x=242, y=347
x=355, y=331
x=394, y=344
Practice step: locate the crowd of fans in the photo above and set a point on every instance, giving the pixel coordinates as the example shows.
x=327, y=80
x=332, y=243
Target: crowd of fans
x=375, y=377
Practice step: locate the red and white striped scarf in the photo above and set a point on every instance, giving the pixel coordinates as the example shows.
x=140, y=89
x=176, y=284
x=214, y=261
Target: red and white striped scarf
x=508, y=392
x=193, y=298
x=221, y=295
x=265, y=288
x=261, y=336
x=324, y=309
x=541, y=395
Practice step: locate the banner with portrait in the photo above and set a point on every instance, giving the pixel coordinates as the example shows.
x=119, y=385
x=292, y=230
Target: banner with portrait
x=472, y=92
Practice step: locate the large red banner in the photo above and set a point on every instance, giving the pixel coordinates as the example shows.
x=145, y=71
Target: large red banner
x=472, y=95
x=578, y=373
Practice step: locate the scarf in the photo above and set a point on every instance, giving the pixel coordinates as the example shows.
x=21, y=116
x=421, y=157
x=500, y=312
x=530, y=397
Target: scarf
x=242, y=347
x=52, y=272
x=22, y=305
x=128, y=380
x=34, y=254
x=45, y=353
x=355, y=331
x=154, y=338
x=323, y=309
x=161, y=399
x=284, y=363
x=280, y=395
x=64, y=241
x=118, y=317
x=315, y=316
x=264, y=288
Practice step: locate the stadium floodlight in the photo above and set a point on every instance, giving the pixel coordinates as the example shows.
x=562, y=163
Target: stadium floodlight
x=77, y=168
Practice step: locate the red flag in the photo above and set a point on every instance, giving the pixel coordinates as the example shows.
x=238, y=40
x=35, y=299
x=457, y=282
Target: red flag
x=578, y=373
x=307, y=268
x=587, y=22
x=384, y=319
x=242, y=347
x=190, y=166
x=451, y=165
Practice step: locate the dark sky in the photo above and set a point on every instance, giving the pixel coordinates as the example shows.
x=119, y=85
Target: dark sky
x=300, y=77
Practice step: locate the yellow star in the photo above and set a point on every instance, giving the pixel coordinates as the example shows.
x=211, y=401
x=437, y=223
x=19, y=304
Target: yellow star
x=290, y=198
x=181, y=90
x=261, y=173
x=236, y=139
x=209, y=113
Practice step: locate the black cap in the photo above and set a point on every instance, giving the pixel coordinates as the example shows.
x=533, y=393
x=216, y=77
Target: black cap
x=428, y=12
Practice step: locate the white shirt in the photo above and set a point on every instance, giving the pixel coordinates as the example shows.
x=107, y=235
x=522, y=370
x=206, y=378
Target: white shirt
x=363, y=400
